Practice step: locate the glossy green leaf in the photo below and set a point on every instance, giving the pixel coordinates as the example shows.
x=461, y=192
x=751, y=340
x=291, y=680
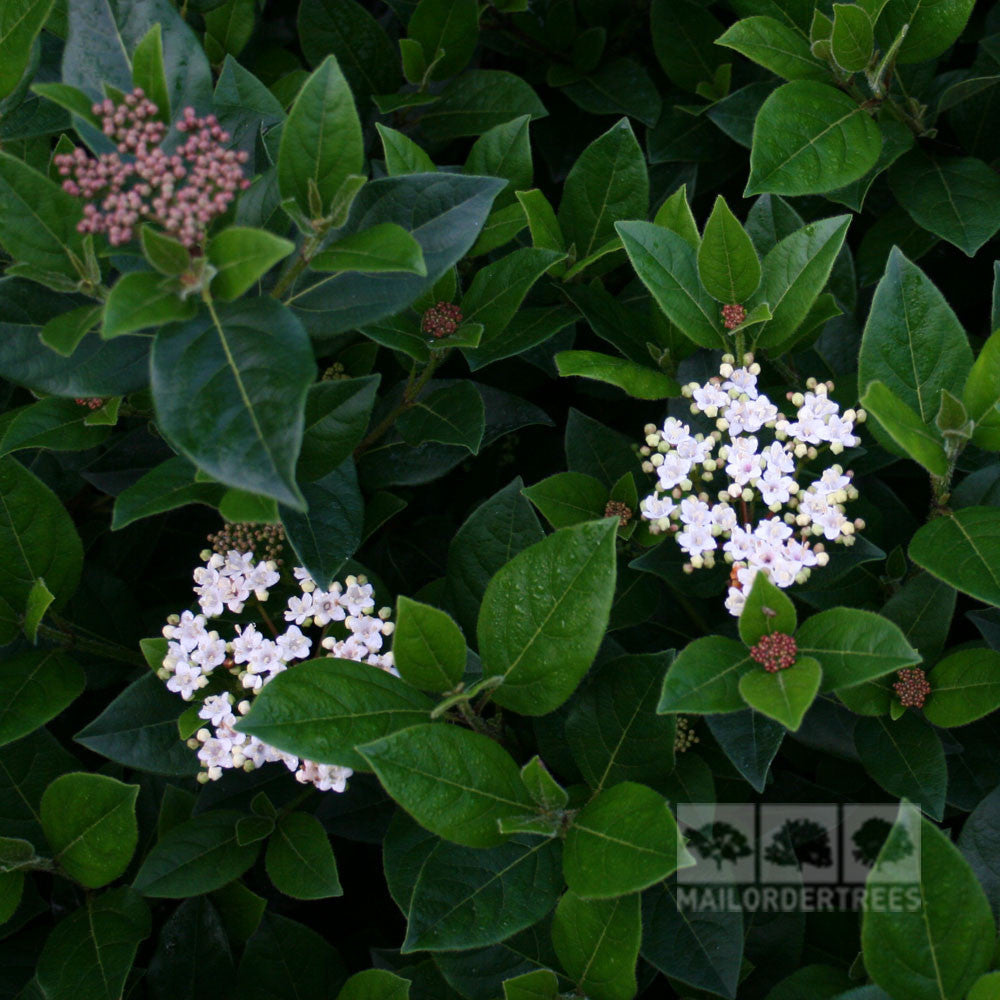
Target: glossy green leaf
x=428, y=648
x=325, y=708
x=402, y=154
x=300, y=860
x=168, y=485
x=622, y=841
x=321, y=141
x=326, y=535
x=568, y=498
x=20, y=24
x=230, y=388
x=148, y=71
x=667, y=265
x=544, y=614
x=139, y=729
x=456, y=783
x=785, y=695
x=956, y=198
x=962, y=548
x=35, y=686
x=906, y=758
x=937, y=949
x=495, y=532
x=477, y=101
x=384, y=247
x=810, y=137
x=448, y=25
x=498, y=289
x=197, y=856
x=142, y=300
x=38, y=219
x=355, y=37
x=612, y=728
x=918, y=440
x=454, y=414
x=775, y=46
x=638, y=381
x=193, y=947
x=241, y=257
x=469, y=898
x=705, y=677
x=853, y=37
x=607, y=183
x=90, y=824
x=854, y=646
x=504, y=151
x=981, y=394
x=64, y=332
x=48, y=423
x=766, y=609
x=683, y=34
x=913, y=342
x=727, y=262
x=597, y=942
x=89, y=953
x=444, y=213
x=931, y=27
x=795, y=271
x=965, y=686
x=541, y=984
x=702, y=948
x=336, y=417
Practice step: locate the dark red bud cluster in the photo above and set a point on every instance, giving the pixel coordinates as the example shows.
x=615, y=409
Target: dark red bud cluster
x=442, y=319
x=92, y=403
x=776, y=651
x=912, y=687
x=619, y=509
x=732, y=316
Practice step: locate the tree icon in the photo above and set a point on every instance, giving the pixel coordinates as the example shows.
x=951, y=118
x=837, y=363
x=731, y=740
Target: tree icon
x=870, y=837
x=800, y=842
x=720, y=842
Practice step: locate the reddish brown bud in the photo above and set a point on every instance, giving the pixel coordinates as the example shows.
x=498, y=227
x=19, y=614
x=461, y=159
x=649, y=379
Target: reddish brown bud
x=912, y=687
x=442, y=319
x=616, y=508
x=776, y=651
x=733, y=315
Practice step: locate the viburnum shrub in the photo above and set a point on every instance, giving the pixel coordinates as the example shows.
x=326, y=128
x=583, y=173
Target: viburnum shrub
x=578, y=420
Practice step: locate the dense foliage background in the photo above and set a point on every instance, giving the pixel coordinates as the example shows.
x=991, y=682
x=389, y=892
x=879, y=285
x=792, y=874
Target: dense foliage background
x=276, y=364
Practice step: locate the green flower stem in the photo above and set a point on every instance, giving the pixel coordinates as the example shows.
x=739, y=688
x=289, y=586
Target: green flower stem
x=410, y=395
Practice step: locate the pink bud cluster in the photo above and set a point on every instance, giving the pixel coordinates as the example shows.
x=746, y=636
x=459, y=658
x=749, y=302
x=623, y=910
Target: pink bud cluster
x=181, y=191
x=442, y=320
x=912, y=687
x=776, y=651
x=90, y=403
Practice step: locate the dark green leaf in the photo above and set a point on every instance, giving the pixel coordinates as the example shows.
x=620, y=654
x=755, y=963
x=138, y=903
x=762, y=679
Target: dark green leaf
x=230, y=391
x=197, y=856
x=638, y=381
x=456, y=783
x=921, y=442
x=963, y=549
x=853, y=38
x=705, y=677
x=428, y=648
x=469, y=898
x=168, y=485
x=321, y=141
x=325, y=708
x=89, y=822
x=597, y=942
x=89, y=953
x=727, y=262
x=448, y=25
x=809, y=138
x=906, y=758
x=330, y=531
x=965, y=686
x=779, y=48
x=300, y=860
x=478, y=101
x=784, y=695
x=452, y=415
x=241, y=256
x=192, y=952
x=142, y=300
x=35, y=686
x=568, y=498
x=544, y=614
x=385, y=247
x=336, y=417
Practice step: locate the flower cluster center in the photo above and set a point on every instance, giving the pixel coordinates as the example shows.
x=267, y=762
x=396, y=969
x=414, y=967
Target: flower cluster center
x=776, y=651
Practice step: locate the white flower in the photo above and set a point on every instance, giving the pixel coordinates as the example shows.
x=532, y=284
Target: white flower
x=357, y=598
x=326, y=606
x=186, y=679
x=656, y=507
x=674, y=431
x=218, y=709
x=673, y=471
x=743, y=381
x=246, y=641
x=292, y=644
x=299, y=608
x=698, y=538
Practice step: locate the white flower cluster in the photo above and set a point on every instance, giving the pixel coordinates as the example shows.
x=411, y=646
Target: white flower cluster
x=250, y=659
x=763, y=520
